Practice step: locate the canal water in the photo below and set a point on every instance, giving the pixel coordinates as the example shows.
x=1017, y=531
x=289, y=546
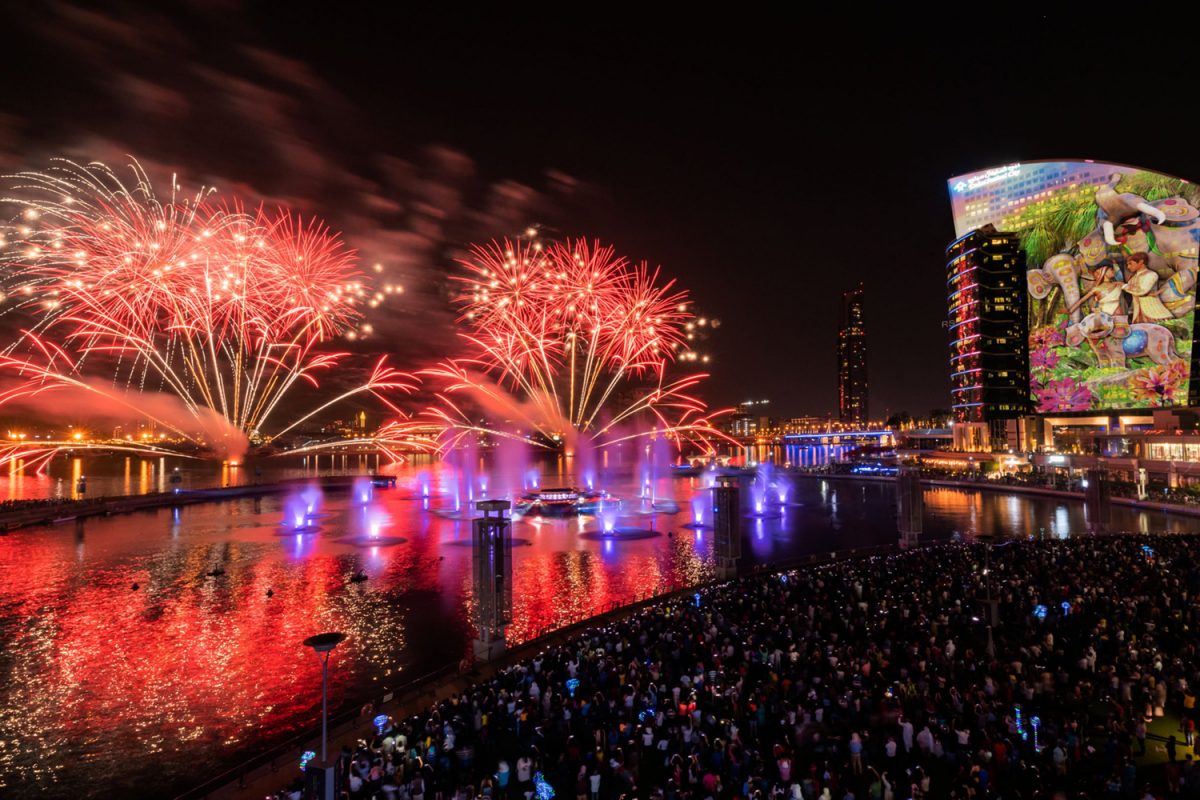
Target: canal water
x=144, y=653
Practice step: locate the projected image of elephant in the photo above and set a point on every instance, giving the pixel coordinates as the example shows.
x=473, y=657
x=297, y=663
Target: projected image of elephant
x=1112, y=310
x=1167, y=231
x=1112, y=340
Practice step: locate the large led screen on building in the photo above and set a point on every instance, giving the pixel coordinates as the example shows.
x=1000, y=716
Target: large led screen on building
x=1111, y=254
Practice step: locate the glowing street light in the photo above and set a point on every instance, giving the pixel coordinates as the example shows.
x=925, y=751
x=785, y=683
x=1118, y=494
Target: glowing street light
x=324, y=643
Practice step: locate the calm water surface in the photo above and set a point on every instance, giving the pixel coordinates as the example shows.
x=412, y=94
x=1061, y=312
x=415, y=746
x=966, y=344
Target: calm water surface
x=149, y=691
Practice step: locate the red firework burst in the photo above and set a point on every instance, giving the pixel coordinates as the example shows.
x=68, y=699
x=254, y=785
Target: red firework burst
x=558, y=333
x=220, y=307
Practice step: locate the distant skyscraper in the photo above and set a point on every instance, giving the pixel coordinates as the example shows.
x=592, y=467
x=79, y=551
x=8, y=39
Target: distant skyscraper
x=989, y=374
x=852, y=359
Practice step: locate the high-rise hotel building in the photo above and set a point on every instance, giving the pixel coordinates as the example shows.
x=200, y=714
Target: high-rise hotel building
x=852, y=359
x=989, y=372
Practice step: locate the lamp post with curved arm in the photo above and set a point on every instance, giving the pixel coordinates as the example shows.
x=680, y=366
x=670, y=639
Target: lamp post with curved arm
x=324, y=643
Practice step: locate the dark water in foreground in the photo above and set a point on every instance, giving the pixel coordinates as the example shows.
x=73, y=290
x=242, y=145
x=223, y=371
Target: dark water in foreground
x=106, y=689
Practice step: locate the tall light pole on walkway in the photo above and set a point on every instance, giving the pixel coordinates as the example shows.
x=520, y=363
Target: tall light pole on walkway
x=324, y=643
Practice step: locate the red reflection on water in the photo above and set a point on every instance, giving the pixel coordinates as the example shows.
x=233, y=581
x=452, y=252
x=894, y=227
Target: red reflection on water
x=185, y=664
x=108, y=687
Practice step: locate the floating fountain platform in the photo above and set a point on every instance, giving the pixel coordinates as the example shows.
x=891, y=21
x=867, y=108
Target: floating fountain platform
x=661, y=507
x=517, y=541
x=372, y=541
x=454, y=513
x=620, y=533
x=774, y=512
x=292, y=530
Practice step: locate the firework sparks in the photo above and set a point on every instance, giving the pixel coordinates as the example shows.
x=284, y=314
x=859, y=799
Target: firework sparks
x=224, y=310
x=568, y=340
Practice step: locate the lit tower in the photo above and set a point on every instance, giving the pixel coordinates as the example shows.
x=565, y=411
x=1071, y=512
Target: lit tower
x=852, y=359
x=491, y=551
x=728, y=537
x=989, y=373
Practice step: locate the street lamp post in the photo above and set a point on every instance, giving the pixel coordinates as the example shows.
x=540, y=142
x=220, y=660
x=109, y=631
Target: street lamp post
x=324, y=643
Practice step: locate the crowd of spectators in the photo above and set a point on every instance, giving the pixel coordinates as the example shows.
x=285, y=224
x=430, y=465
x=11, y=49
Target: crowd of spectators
x=36, y=502
x=866, y=678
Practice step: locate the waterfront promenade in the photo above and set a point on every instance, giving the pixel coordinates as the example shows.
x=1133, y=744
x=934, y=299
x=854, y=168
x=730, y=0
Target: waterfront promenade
x=1149, y=504
x=24, y=513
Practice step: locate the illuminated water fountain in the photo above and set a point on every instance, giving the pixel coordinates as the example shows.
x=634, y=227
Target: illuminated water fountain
x=654, y=470
x=509, y=468
x=610, y=529
x=764, y=497
x=584, y=455
x=362, y=490
x=700, y=507
x=301, y=510
x=422, y=488
x=462, y=465
x=369, y=521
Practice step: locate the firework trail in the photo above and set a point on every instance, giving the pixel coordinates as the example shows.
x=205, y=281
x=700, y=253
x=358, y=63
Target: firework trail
x=568, y=340
x=225, y=310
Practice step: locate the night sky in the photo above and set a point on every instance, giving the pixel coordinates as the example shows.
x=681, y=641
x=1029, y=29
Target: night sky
x=766, y=165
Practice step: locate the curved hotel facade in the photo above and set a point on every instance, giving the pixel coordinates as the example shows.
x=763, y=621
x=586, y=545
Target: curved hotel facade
x=1071, y=292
